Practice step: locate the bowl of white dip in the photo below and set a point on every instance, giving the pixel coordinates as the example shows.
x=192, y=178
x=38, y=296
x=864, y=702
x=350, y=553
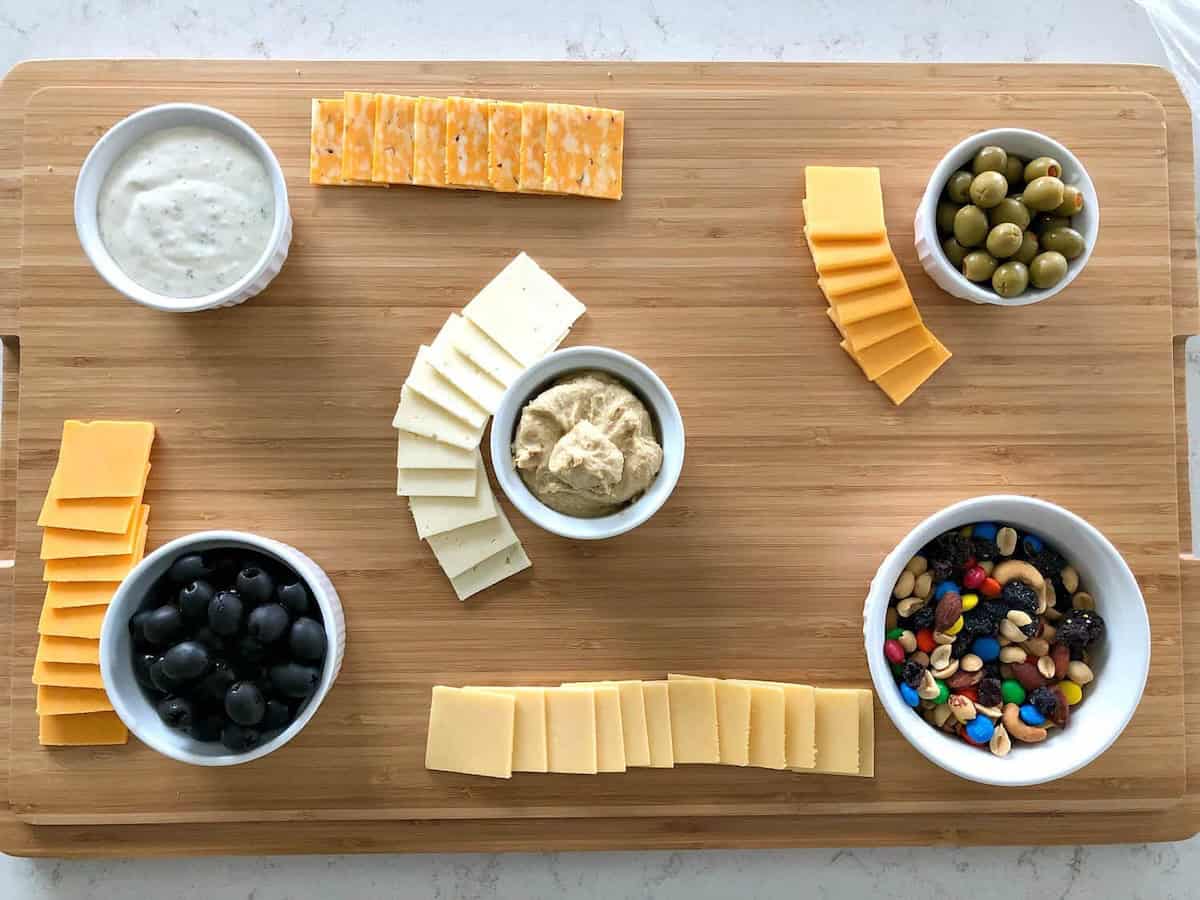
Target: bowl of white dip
x=183, y=208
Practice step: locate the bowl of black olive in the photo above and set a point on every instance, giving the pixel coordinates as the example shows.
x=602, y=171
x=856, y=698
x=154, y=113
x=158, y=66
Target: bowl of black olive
x=219, y=647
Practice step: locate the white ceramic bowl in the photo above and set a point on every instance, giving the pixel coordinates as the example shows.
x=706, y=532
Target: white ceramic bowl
x=116, y=650
x=638, y=378
x=1030, y=145
x=1121, y=662
x=113, y=145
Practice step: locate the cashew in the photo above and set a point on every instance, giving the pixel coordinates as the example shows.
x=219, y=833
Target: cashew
x=1036, y=646
x=1006, y=542
x=909, y=606
x=940, y=658
x=1083, y=600
x=1070, y=579
x=1012, y=654
x=1053, y=614
x=962, y=707
x=908, y=641
x=929, y=689
x=917, y=565
x=1047, y=599
x=1019, y=617
x=1045, y=665
x=924, y=586
x=1011, y=631
x=1000, y=744
x=1018, y=729
x=904, y=585
x=970, y=663
x=1079, y=672
x=1021, y=571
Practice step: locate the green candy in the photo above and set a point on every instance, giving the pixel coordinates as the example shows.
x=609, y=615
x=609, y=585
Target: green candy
x=897, y=669
x=944, y=692
x=894, y=633
x=1012, y=692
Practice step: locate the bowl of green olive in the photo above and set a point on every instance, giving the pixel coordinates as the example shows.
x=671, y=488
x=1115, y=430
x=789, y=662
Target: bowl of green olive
x=1010, y=217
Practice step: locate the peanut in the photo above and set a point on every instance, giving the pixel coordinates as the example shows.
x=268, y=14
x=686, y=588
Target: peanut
x=941, y=714
x=904, y=585
x=1011, y=631
x=1079, y=672
x=1012, y=654
x=1000, y=744
x=908, y=641
x=1070, y=579
x=1083, y=600
x=1049, y=632
x=1006, y=542
x=917, y=565
x=947, y=671
x=1053, y=615
x=1045, y=665
x=962, y=707
x=970, y=663
x=1012, y=722
x=1037, y=646
x=929, y=688
x=909, y=606
x=940, y=658
x=992, y=712
x=1019, y=617
x=924, y=585
x=940, y=637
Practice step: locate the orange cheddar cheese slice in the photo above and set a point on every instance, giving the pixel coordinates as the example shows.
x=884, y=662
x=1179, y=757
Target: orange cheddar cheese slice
x=65, y=543
x=900, y=383
x=833, y=256
x=872, y=302
x=325, y=147
x=886, y=355
x=53, y=648
x=67, y=675
x=99, y=568
x=504, y=146
x=72, y=594
x=103, y=459
x=429, y=142
x=53, y=700
x=95, y=729
x=358, y=134
x=467, y=142
x=584, y=150
x=533, y=147
x=846, y=281
x=843, y=203
x=868, y=332
x=112, y=515
x=77, y=621
x=392, y=146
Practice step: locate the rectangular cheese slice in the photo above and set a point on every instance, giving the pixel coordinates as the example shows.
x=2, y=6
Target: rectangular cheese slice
x=392, y=144
x=491, y=571
x=436, y=482
x=533, y=147
x=358, y=135
x=847, y=281
x=866, y=734
x=417, y=414
x=70, y=594
x=799, y=723
x=886, y=355
x=504, y=145
x=65, y=543
x=843, y=202
x=473, y=343
x=103, y=459
x=484, y=390
x=584, y=149
x=524, y=310
x=876, y=301
x=610, y=736
x=325, y=148
x=429, y=142
x=868, y=332
x=80, y=621
x=415, y=451
x=529, y=732
x=571, y=730
x=68, y=701
x=633, y=723
x=99, y=568
x=460, y=549
x=112, y=515
x=68, y=675
x=426, y=381
x=900, y=383
x=768, y=729
x=434, y=515
x=54, y=648
x=833, y=256
x=733, y=718
x=467, y=142
x=470, y=732
x=657, y=700
x=837, y=717
x=95, y=729
x=694, y=734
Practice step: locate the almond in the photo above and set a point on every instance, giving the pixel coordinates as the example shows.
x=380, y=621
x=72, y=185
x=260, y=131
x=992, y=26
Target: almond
x=1029, y=676
x=948, y=610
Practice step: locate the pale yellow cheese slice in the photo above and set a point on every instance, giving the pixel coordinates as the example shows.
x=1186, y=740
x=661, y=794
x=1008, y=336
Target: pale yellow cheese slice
x=799, y=723
x=465, y=375
x=70, y=594
x=694, y=734
x=392, y=146
x=657, y=702
x=837, y=717
x=429, y=142
x=610, y=737
x=82, y=730
x=832, y=256
x=571, y=730
x=900, y=383
x=866, y=734
x=80, y=621
x=584, y=150
x=416, y=451
x=886, y=355
x=876, y=301
x=529, y=730
x=473, y=343
x=504, y=145
x=868, y=332
x=325, y=142
x=471, y=732
x=633, y=723
x=436, y=482
x=66, y=701
x=435, y=515
x=57, y=649
x=843, y=202
x=768, y=730
x=426, y=381
x=733, y=718
x=420, y=416
x=467, y=142
x=99, y=568
x=358, y=135
x=533, y=147
x=491, y=571
x=847, y=281
x=460, y=549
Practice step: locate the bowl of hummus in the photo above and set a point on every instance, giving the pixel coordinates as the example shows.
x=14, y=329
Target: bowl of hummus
x=587, y=443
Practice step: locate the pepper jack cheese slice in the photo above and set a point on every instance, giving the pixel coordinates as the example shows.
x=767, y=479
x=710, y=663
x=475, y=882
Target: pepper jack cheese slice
x=436, y=482
x=99, y=568
x=467, y=142
x=418, y=415
x=112, y=515
x=694, y=735
x=358, y=135
x=473, y=343
x=837, y=717
x=571, y=730
x=868, y=332
x=392, y=143
x=72, y=594
x=833, y=256
x=66, y=701
x=461, y=549
x=470, y=732
x=415, y=451
x=846, y=281
x=57, y=649
x=491, y=571
x=425, y=380
x=452, y=365
x=843, y=202
x=886, y=355
x=529, y=731
x=657, y=701
x=65, y=543
x=325, y=148
x=504, y=145
x=610, y=737
x=80, y=621
x=103, y=459
x=584, y=148
x=435, y=515
x=429, y=142
x=900, y=382
x=83, y=730
x=533, y=147
x=67, y=675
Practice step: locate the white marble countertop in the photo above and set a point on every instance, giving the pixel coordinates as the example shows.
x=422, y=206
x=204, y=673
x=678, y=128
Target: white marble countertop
x=816, y=30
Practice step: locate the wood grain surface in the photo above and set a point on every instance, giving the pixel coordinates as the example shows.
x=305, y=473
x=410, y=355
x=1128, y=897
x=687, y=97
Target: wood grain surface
x=758, y=564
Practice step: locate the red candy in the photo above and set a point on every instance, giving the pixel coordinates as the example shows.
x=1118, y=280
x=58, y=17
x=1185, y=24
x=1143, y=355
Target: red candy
x=990, y=587
x=973, y=577
x=969, y=692
x=893, y=651
x=925, y=641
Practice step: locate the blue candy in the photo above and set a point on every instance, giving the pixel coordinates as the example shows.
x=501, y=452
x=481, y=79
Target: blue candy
x=909, y=695
x=944, y=588
x=1030, y=715
x=980, y=729
x=1032, y=544
x=986, y=648
x=985, y=530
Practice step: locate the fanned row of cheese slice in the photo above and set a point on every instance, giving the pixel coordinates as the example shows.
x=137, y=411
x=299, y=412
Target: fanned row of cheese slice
x=452, y=389
x=869, y=300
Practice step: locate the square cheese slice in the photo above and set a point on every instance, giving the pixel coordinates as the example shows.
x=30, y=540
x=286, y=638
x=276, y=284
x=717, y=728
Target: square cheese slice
x=426, y=381
x=533, y=147
x=436, y=482
x=415, y=451
x=610, y=736
x=504, y=145
x=461, y=549
x=67, y=701
x=79, y=621
x=57, y=649
x=429, y=142
x=524, y=310
x=584, y=150
x=325, y=142
x=103, y=459
x=84, y=730
x=491, y=571
x=901, y=382
x=482, y=388
x=420, y=416
x=886, y=355
x=71, y=594
x=392, y=144
x=843, y=202
x=694, y=734
x=358, y=135
x=733, y=718
x=529, y=733
x=99, y=568
x=847, y=281
x=571, y=730
x=434, y=515
x=876, y=301
x=657, y=701
x=66, y=543
x=112, y=515
x=473, y=343
x=467, y=142
x=868, y=332
x=470, y=732
x=833, y=256
x=837, y=717
x=68, y=675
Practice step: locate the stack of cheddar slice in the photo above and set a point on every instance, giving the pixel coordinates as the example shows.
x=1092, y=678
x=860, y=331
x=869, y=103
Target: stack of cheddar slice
x=94, y=532
x=869, y=300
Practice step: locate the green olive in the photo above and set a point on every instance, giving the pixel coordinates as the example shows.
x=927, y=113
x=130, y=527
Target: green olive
x=1010, y=209
x=1015, y=173
x=958, y=186
x=1029, y=248
x=954, y=252
x=988, y=189
x=945, y=216
x=1010, y=279
x=1043, y=222
x=1043, y=194
x=1047, y=269
x=1064, y=240
x=970, y=226
x=990, y=159
x=1004, y=240
x=978, y=265
x=1072, y=201
x=1043, y=165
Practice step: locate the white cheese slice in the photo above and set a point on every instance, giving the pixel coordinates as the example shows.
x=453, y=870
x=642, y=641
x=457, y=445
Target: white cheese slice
x=414, y=451
x=418, y=415
x=436, y=482
x=458, y=550
x=483, y=351
x=492, y=570
x=425, y=380
x=435, y=515
x=524, y=310
x=477, y=384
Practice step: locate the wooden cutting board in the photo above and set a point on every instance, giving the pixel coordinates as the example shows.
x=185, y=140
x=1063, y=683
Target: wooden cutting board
x=756, y=567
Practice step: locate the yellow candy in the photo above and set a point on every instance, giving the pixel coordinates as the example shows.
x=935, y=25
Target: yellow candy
x=966, y=530
x=1072, y=691
x=970, y=601
x=956, y=627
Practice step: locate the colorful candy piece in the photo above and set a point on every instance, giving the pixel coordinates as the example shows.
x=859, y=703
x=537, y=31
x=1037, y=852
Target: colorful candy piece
x=969, y=602
x=986, y=648
x=980, y=729
x=1031, y=716
x=944, y=588
x=966, y=736
x=909, y=695
x=893, y=651
x=985, y=530
x=925, y=641
x=956, y=627
x=973, y=578
x=943, y=693
x=894, y=633
x=1012, y=692
x=1032, y=544
x=990, y=587
x=971, y=693
x=1071, y=691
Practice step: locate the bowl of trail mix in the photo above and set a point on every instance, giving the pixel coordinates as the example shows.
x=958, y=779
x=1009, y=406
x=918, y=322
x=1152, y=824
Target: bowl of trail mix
x=1008, y=640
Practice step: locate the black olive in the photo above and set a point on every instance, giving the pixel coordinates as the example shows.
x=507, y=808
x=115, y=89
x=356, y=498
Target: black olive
x=294, y=680
x=137, y=629
x=294, y=597
x=244, y=703
x=141, y=670
x=175, y=712
x=225, y=613
x=216, y=644
x=186, y=661
x=237, y=738
x=194, y=599
x=163, y=626
x=307, y=640
x=268, y=623
x=207, y=728
x=250, y=649
x=218, y=681
x=161, y=680
x=191, y=567
x=255, y=585
x=276, y=717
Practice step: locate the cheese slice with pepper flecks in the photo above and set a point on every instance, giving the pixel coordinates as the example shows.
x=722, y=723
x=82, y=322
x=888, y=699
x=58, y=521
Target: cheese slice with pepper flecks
x=584, y=148
x=533, y=147
x=504, y=145
x=467, y=142
x=325, y=149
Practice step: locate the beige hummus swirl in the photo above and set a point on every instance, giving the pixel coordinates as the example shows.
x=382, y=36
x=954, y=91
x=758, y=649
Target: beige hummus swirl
x=585, y=447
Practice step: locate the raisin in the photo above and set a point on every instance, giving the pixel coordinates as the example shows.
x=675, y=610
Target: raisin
x=1044, y=700
x=984, y=619
x=923, y=617
x=1047, y=561
x=941, y=569
x=989, y=691
x=992, y=669
x=912, y=673
x=1081, y=628
x=961, y=646
x=1019, y=595
x=952, y=547
x=983, y=549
